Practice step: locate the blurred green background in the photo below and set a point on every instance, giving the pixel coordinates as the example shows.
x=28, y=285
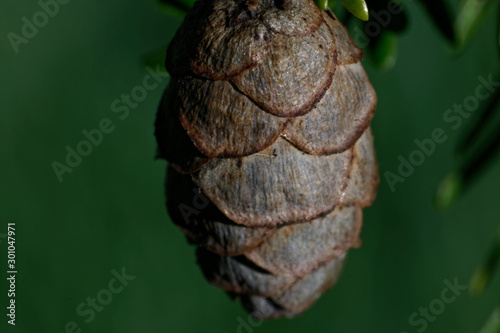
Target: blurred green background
x=109, y=212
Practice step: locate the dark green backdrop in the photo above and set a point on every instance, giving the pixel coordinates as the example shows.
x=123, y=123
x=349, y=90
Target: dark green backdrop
x=109, y=212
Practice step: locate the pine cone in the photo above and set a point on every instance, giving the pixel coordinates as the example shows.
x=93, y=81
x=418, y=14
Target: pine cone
x=266, y=123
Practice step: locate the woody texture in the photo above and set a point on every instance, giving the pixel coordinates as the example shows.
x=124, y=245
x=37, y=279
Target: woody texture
x=267, y=117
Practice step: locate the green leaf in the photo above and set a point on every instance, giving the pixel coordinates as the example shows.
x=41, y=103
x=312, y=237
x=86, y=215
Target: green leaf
x=471, y=14
x=358, y=8
x=493, y=323
x=482, y=157
x=448, y=190
x=322, y=4
x=384, y=50
x=441, y=14
x=482, y=277
x=482, y=121
x=477, y=150
x=479, y=281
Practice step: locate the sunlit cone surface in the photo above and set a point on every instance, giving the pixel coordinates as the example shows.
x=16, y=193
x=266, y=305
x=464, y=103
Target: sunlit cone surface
x=265, y=125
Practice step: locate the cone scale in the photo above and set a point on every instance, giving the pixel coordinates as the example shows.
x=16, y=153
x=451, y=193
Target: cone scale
x=265, y=126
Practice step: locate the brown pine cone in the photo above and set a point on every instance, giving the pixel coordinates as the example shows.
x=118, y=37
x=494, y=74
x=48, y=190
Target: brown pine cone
x=266, y=123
